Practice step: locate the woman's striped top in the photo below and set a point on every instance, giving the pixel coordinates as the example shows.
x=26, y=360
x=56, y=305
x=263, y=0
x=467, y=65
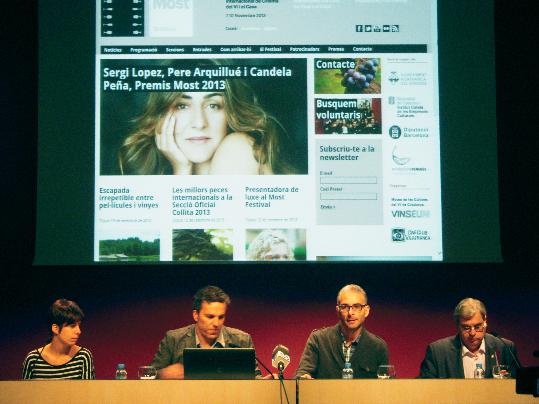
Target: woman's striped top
x=81, y=366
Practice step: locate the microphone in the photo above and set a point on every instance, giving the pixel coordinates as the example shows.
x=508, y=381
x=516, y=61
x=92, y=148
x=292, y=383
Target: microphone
x=280, y=358
x=515, y=359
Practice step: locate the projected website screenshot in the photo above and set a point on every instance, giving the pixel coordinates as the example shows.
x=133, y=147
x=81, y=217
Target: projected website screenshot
x=247, y=130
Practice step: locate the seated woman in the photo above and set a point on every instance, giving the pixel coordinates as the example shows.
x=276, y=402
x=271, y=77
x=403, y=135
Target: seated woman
x=61, y=358
x=195, y=133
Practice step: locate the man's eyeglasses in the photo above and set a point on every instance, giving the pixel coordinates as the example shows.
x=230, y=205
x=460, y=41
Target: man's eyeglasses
x=476, y=328
x=353, y=307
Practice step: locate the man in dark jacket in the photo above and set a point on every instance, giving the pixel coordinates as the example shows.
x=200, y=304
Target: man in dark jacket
x=457, y=356
x=210, y=305
x=328, y=349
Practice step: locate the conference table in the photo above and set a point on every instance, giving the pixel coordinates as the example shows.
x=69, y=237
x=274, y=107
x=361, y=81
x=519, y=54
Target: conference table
x=262, y=391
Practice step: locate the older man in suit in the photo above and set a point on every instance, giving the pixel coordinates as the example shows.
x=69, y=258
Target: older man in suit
x=457, y=356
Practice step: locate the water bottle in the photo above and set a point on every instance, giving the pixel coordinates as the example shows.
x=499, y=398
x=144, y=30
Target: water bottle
x=347, y=372
x=478, y=373
x=121, y=373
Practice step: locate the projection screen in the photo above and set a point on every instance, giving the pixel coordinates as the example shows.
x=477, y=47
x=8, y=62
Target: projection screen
x=258, y=130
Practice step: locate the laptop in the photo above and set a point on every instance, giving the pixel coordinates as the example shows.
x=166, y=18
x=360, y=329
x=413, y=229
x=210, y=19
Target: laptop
x=219, y=363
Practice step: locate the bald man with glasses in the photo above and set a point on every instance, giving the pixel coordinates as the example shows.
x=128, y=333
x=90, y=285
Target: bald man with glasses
x=457, y=356
x=328, y=349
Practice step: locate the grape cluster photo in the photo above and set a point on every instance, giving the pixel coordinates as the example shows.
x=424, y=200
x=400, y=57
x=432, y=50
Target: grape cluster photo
x=358, y=79
x=361, y=76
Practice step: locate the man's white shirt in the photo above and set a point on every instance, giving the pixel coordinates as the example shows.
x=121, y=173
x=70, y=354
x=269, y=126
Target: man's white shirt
x=469, y=360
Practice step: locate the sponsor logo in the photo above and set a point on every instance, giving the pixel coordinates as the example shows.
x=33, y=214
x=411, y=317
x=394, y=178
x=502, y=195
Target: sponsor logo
x=411, y=214
x=393, y=77
x=395, y=132
x=416, y=132
x=399, y=160
x=400, y=235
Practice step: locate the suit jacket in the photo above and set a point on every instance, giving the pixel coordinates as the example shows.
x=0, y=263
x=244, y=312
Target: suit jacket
x=443, y=359
x=323, y=357
x=172, y=345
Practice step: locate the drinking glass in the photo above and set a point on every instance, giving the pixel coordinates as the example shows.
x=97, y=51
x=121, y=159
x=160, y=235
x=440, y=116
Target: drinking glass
x=500, y=372
x=386, y=372
x=147, y=373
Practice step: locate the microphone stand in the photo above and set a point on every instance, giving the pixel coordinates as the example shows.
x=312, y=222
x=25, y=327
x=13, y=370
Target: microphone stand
x=515, y=359
x=265, y=367
x=280, y=368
